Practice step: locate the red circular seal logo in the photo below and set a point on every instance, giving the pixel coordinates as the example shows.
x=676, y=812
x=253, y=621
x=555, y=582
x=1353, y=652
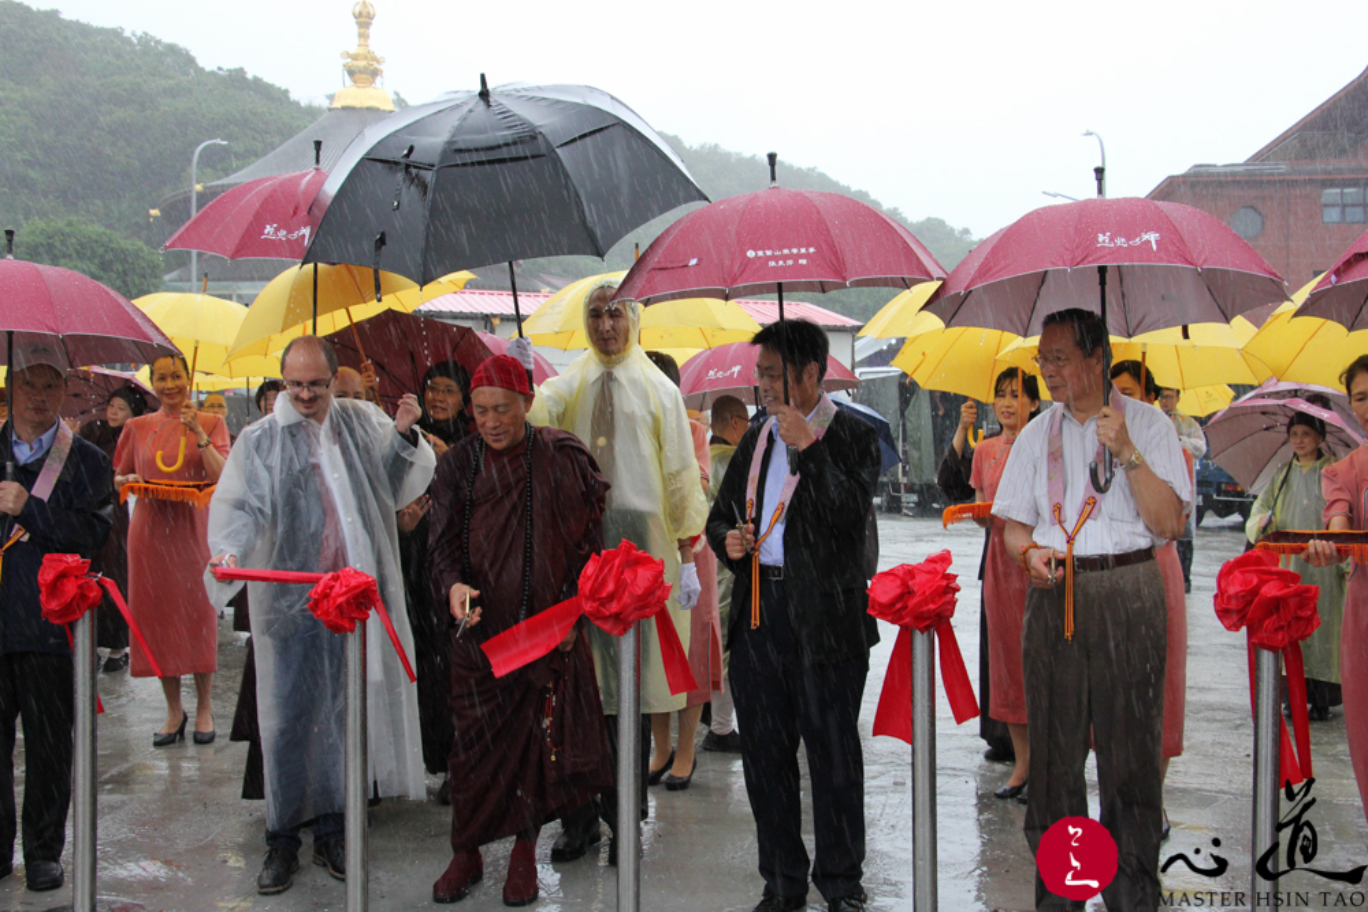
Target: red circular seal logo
x=1077, y=858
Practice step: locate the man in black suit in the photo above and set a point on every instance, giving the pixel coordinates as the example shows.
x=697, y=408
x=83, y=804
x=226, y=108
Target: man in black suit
x=800, y=656
x=59, y=501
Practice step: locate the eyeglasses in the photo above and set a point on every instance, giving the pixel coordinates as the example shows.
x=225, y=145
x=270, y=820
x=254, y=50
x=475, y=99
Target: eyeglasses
x=316, y=386
x=772, y=374
x=1057, y=362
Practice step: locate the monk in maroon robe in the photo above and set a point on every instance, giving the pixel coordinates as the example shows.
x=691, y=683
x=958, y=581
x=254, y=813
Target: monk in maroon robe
x=516, y=514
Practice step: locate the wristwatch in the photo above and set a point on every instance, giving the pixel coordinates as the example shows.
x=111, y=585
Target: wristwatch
x=206, y=443
x=1135, y=462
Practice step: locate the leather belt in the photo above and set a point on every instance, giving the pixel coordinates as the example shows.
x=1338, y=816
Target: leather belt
x=771, y=572
x=1097, y=562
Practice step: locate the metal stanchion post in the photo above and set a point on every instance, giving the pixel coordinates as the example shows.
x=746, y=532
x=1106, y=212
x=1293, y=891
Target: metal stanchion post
x=83, y=812
x=924, y=890
x=356, y=770
x=629, y=772
x=1267, y=729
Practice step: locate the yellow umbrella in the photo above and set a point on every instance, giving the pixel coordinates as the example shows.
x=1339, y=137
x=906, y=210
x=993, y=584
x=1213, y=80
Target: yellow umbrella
x=686, y=323
x=963, y=360
x=201, y=326
x=447, y=284
x=902, y=317
x=215, y=383
x=1305, y=349
x=1205, y=400
x=284, y=309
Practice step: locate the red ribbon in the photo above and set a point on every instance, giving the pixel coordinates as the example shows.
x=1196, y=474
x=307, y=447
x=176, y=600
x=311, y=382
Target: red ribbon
x=617, y=588
x=1278, y=611
x=67, y=591
x=340, y=599
x=920, y=596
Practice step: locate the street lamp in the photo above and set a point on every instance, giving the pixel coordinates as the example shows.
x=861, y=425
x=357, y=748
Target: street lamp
x=1063, y=196
x=1102, y=171
x=194, y=198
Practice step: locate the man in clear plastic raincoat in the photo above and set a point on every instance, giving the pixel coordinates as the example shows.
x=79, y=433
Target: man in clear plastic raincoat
x=633, y=420
x=314, y=487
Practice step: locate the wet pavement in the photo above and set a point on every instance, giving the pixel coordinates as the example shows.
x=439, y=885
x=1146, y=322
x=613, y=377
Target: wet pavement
x=174, y=834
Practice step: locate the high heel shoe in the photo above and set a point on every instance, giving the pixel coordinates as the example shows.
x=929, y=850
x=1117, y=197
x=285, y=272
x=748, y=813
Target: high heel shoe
x=654, y=776
x=166, y=740
x=1010, y=791
x=675, y=783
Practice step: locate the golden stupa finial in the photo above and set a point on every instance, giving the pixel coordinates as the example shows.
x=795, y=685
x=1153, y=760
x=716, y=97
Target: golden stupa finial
x=363, y=66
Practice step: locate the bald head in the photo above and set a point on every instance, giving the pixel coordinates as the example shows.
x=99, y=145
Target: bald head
x=347, y=384
x=729, y=419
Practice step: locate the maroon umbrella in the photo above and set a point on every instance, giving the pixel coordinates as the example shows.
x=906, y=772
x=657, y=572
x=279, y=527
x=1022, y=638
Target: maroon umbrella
x=267, y=217
x=729, y=370
x=1167, y=264
x=89, y=389
x=1341, y=293
x=403, y=346
x=779, y=240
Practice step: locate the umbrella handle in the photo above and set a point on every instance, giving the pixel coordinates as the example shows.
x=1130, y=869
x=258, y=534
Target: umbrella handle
x=180, y=458
x=975, y=437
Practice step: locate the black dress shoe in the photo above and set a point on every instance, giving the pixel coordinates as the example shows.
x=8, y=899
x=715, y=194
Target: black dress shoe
x=115, y=663
x=653, y=777
x=278, y=871
x=572, y=843
x=1318, y=714
x=1010, y=791
x=675, y=783
x=165, y=740
x=333, y=856
x=771, y=903
x=205, y=737
x=999, y=755
x=729, y=743
x=44, y=875
x=857, y=903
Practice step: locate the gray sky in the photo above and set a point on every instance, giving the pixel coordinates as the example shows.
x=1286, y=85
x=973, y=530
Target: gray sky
x=966, y=111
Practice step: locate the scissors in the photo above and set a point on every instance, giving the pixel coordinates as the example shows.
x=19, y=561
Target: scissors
x=461, y=628
x=740, y=523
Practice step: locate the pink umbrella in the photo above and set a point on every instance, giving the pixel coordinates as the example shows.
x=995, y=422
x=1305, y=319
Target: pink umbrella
x=267, y=217
x=1341, y=293
x=729, y=370
x=1249, y=439
x=1283, y=389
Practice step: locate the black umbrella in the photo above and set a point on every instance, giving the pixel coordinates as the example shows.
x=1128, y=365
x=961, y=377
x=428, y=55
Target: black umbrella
x=494, y=176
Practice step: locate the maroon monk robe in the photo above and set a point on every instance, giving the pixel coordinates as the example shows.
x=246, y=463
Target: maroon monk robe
x=511, y=773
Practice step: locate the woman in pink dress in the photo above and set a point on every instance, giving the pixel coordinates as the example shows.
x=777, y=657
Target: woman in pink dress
x=1126, y=376
x=1345, y=485
x=1004, y=585
x=168, y=546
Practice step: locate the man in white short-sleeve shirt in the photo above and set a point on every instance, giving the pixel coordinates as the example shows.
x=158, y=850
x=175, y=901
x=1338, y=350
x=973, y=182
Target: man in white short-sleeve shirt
x=1094, y=639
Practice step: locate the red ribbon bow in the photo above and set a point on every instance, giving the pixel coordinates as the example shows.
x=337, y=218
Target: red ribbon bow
x=340, y=600
x=920, y=596
x=1278, y=611
x=617, y=588
x=66, y=590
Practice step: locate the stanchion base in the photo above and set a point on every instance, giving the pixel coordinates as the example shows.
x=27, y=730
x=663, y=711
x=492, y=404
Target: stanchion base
x=106, y=904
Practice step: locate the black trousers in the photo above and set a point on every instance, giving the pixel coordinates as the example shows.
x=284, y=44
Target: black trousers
x=39, y=689
x=1107, y=680
x=1185, y=548
x=779, y=699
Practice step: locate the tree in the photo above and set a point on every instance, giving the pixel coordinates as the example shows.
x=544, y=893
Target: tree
x=127, y=265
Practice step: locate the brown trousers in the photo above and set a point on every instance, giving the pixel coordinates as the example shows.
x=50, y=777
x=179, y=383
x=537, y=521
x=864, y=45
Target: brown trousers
x=1108, y=681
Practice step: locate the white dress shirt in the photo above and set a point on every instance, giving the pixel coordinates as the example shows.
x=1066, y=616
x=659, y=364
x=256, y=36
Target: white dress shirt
x=772, y=548
x=1115, y=527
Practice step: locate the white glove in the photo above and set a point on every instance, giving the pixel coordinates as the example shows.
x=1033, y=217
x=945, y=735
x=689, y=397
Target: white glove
x=521, y=349
x=689, y=587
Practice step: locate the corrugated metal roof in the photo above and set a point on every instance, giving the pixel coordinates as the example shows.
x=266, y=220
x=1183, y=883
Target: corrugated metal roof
x=484, y=302
x=767, y=312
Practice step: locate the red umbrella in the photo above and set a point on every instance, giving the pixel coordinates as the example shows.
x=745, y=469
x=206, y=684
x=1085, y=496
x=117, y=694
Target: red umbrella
x=1168, y=265
x=729, y=370
x=403, y=346
x=89, y=322
x=776, y=240
x=1341, y=293
x=267, y=217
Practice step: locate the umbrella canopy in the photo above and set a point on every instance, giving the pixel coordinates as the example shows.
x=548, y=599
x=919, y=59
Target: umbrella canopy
x=88, y=390
x=267, y=217
x=964, y=360
x=200, y=325
x=888, y=447
x=91, y=323
x=1286, y=389
x=496, y=175
x=204, y=382
x=779, y=240
x=284, y=309
x=729, y=370
x=902, y=317
x=1304, y=349
x=681, y=323
x=410, y=299
x=1340, y=293
x=402, y=346
x=1167, y=265
x=1205, y=400
x=1249, y=439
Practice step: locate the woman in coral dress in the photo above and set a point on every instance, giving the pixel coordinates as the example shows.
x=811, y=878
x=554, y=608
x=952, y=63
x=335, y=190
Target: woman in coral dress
x=168, y=547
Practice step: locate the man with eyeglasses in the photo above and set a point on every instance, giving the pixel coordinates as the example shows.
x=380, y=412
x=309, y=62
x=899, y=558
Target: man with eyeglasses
x=1094, y=637
x=314, y=487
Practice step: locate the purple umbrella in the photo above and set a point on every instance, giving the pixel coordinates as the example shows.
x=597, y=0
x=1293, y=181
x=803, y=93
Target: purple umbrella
x=1249, y=439
x=1282, y=389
